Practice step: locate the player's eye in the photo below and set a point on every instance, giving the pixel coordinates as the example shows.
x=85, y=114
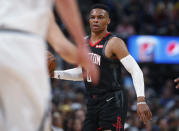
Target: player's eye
x=100, y=17
x=92, y=17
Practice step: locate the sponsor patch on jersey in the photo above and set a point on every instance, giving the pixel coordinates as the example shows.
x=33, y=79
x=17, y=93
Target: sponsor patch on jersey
x=99, y=46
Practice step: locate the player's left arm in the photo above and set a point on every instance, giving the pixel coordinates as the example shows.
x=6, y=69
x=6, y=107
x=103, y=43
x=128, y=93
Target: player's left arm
x=118, y=48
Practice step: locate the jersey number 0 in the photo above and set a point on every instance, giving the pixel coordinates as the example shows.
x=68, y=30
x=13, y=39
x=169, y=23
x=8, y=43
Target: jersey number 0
x=88, y=77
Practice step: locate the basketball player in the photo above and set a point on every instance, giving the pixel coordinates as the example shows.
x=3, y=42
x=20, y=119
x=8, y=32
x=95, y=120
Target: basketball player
x=24, y=85
x=177, y=82
x=107, y=102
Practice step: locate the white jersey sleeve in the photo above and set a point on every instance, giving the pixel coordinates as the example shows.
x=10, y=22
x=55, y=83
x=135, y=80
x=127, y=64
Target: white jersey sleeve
x=137, y=76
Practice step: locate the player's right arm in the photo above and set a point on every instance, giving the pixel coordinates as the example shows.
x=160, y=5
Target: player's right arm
x=74, y=74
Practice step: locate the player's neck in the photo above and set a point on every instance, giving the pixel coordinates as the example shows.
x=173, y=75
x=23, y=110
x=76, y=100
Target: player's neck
x=95, y=36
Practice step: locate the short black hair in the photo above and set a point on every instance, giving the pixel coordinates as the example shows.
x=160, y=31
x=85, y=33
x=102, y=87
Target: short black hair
x=100, y=6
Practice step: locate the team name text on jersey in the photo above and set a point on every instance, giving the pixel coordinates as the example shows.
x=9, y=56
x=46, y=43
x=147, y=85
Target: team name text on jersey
x=96, y=59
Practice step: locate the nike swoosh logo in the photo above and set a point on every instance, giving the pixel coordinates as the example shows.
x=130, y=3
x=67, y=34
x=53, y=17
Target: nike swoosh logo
x=109, y=99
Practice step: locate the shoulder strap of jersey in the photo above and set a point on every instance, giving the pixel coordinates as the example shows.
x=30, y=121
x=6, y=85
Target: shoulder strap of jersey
x=106, y=42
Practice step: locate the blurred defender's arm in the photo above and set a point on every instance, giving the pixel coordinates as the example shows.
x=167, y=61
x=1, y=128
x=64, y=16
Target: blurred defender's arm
x=60, y=43
x=70, y=15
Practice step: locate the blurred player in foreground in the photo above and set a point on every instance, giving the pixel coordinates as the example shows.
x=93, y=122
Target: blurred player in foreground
x=24, y=85
x=107, y=102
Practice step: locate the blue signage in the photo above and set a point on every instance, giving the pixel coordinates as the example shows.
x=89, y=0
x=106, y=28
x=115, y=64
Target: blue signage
x=158, y=49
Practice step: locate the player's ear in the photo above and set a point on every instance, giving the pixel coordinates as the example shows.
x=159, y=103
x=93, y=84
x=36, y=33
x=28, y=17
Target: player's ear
x=109, y=21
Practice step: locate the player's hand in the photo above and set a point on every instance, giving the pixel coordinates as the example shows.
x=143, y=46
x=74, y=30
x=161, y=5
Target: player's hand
x=87, y=64
x=143, y=111
x=177, y=82
x=52, y=74
x=51, y=61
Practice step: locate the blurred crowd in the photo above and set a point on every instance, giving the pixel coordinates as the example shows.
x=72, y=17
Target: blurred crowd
x=149, y=17
x=129, y=17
